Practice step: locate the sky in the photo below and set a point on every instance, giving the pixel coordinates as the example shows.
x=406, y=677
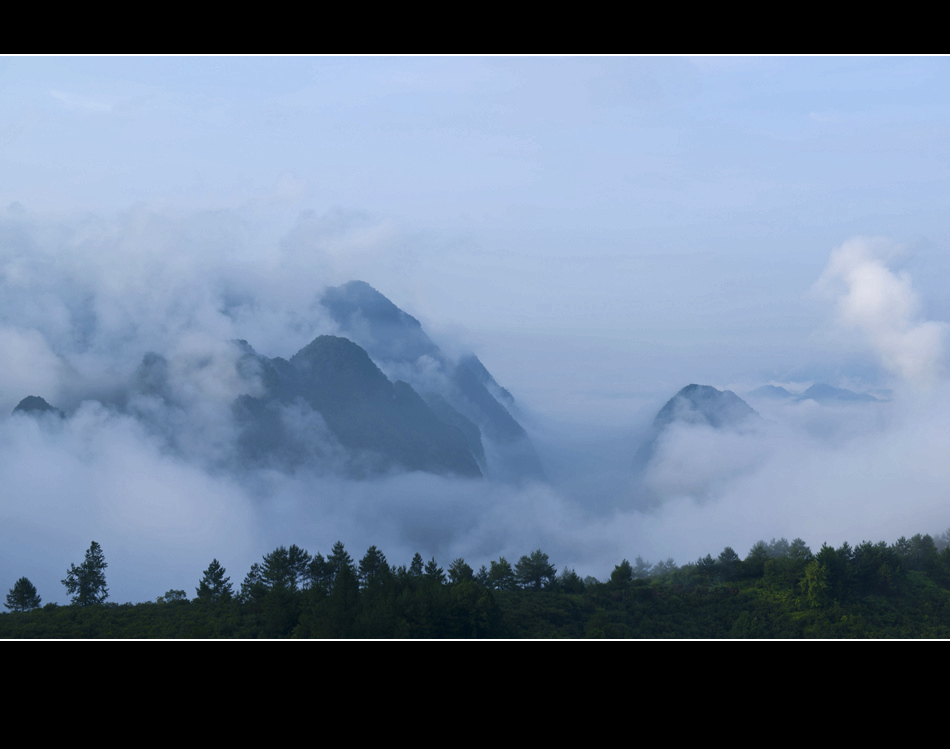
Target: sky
x=600, y=231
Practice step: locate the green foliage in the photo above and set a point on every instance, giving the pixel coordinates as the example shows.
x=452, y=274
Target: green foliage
x=663, y=568
x=753, y=566
x=319, y=575
x=23, y=596
x=214, y=586
x=622, y=574
x=865, y=591
x=284, y=568
x=570, y=582
x=815, y=584
x=728, y=564
x=459, y=571
x=339, y=560
x=253, y=588
x=641, y=568
x=434, y=573
x=374, y=569
x=501, y=576
x=88, y=581
x=535, y=571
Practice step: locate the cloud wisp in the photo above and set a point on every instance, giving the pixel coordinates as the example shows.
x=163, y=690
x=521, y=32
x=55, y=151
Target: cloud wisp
x=881, y=305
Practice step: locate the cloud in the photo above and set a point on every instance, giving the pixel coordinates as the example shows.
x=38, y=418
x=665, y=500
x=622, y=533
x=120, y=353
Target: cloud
x=882, y=306
x=145, y=462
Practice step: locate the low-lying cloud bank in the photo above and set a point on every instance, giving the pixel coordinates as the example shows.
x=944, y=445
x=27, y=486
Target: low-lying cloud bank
x=147, y=469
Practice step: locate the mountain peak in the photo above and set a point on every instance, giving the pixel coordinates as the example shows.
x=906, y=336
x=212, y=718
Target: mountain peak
x=34, y=404
x=359, y=297
x=376, y=324
x=704, y=404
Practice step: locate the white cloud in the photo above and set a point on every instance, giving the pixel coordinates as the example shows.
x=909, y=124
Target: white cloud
x=883, y=307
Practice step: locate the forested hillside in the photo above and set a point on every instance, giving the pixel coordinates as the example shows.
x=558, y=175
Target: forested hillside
x=780, y=589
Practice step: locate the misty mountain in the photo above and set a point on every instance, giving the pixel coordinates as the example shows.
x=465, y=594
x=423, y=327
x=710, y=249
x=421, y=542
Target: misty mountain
x=331, y=403
x=819, y=392
x=33, y=404
x=396, y=341
x=702, y=404
x=772, y=392
x=697, y=405
x=827, y=394
x=378, y=325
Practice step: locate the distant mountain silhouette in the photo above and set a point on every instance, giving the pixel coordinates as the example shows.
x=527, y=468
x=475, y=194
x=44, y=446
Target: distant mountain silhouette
x=697, y=404
x=377, y=324
x=771, y=391
x=33, y=404
x=330, y=402
x=828, y=394
x=819, y=392
x=467, y=393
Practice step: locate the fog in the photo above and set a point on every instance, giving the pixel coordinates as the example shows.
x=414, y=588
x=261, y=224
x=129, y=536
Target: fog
x=599, y=232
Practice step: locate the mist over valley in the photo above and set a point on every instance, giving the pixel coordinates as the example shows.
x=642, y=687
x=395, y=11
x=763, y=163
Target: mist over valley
x=606, y=308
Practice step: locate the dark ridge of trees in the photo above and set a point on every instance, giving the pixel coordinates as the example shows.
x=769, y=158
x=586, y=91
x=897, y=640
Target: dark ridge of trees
x=779, y=589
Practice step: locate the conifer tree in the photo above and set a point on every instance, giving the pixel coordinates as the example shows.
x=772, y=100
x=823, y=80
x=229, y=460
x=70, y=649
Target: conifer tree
x=373, y=568
x=253, y=588
x=338, y=559
x=459, y=570
x=214, y=586
x=23, y=596
x=535, y=571
x=88, y=581
x=434, y=572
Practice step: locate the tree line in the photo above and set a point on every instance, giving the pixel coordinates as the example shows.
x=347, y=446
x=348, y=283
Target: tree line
x=779, y=589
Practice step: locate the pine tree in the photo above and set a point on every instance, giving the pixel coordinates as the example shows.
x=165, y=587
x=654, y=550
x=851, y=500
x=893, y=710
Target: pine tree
x=253, y=588
x=535, y=571
x=338, y=559
x=284, y=568
x=460, y=570
x=23, y=596
x=373, y=568
x=416, y=567
x=434, y=572
x=501, y=576
x=214, y=586
x=88, y=580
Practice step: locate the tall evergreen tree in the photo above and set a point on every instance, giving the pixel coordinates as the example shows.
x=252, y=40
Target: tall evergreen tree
x=622, y=574
x=416, y=567
x=319, y=576
x=23, y=596
x=88, y=580
x=276, y=572
x=338, y=559
x=459, y=570
x=535, y=571
x=373, y=568
x=214, y=586
x=298, y=561
x=253, y=588
x=501, y=576
x=434, y=572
